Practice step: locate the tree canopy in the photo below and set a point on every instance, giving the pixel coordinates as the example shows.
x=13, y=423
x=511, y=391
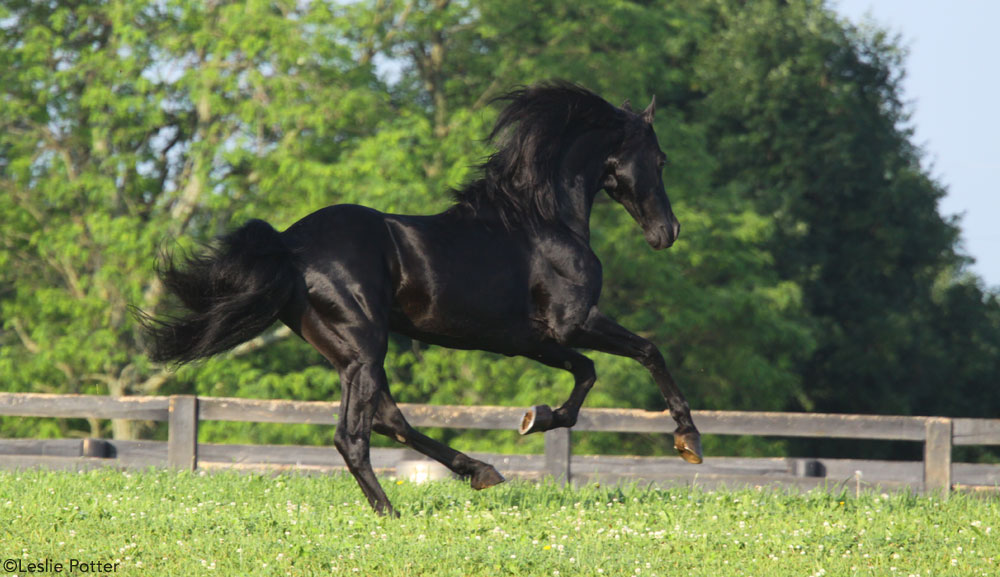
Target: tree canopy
x=814, y=271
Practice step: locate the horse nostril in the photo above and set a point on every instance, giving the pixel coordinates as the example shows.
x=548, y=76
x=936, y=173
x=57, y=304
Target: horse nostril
x=675, y=229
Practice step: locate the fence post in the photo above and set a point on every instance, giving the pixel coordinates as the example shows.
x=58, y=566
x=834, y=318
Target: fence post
x=557, y=453
x=937, y=456
x=182, y=435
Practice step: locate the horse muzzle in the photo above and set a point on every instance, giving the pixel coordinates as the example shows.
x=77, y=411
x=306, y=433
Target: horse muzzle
x=663, y=236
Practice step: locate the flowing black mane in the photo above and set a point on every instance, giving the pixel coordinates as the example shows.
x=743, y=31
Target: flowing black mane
x=520, y=180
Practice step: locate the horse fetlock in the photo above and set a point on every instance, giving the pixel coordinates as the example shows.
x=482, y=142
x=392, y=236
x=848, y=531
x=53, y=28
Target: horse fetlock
x=465, y=465
x=564, y=417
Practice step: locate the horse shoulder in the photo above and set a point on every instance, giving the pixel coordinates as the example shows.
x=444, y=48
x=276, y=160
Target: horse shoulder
x=565, y=285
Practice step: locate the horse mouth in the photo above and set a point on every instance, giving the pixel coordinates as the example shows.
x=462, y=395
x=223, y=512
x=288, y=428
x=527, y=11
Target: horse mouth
x=659, y=237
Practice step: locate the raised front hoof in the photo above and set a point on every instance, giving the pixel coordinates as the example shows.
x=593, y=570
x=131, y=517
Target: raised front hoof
x=536, y=420
x=486, y=477
x=688, y=446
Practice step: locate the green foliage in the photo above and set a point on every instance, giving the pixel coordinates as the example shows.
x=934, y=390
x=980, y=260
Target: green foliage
x=813, y=270
x=163, y=523
x=804, y=116
x=128, y=124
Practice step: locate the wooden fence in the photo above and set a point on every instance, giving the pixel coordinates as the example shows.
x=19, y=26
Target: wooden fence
x=182, y=450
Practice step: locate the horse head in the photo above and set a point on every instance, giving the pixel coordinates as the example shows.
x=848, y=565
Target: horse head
x=634, y=178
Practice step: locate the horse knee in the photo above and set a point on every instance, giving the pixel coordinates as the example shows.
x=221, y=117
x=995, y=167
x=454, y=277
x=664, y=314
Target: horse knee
x=650, y=356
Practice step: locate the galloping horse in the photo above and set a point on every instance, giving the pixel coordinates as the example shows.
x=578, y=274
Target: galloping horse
x=507, y=269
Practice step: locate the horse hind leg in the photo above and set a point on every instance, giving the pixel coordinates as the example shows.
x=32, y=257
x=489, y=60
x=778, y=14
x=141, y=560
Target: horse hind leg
x=389, y=421
x=359, y=360
x=366, y=405
x=353, y=436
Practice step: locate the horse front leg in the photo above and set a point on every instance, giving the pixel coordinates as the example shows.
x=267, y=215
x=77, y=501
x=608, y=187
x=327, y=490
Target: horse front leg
x=601, y=333
x=542, y=417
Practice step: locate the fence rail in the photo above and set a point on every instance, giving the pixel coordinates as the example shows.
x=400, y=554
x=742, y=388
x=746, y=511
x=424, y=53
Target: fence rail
x=182, y=450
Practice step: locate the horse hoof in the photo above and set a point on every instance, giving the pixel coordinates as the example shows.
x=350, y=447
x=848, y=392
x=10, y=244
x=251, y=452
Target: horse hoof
x=537, y=419
x=485, y=477
x=688, y=446
x=385, y=510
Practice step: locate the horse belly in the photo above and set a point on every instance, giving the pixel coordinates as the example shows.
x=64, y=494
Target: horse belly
x=456, y=279
x=475, y=304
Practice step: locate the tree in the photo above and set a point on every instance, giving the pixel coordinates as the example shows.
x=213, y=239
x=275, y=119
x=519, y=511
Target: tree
x=805, y=117
x=126, y=124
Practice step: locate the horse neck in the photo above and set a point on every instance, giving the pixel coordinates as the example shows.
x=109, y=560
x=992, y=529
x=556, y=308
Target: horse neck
x=581, y=177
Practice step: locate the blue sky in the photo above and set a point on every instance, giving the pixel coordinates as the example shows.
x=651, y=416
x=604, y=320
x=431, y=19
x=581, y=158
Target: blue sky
x=953, y=81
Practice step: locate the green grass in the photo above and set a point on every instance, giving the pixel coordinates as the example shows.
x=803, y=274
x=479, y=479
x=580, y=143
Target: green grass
x=164, y=523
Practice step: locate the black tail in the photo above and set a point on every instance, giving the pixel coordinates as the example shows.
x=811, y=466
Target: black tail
x=232, y=294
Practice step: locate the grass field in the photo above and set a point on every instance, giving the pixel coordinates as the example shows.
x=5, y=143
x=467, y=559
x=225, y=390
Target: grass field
x=165, y=523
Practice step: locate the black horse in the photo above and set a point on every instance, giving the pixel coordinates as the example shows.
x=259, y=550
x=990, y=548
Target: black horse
x=507, y=269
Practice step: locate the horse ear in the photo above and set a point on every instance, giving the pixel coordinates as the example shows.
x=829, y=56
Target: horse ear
x=647, y=114
x=627, y=105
